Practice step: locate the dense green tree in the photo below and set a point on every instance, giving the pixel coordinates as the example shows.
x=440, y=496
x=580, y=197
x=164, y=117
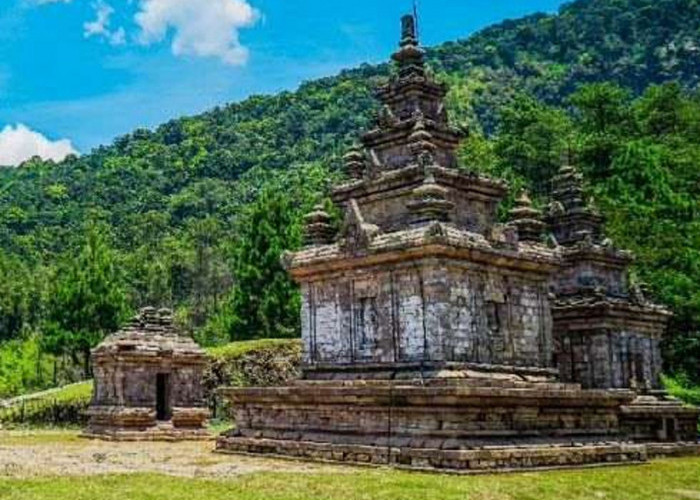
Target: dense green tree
x=265, y=302
x=21, y=297
x=87, y=300
x=531, y=139
x=605, y=120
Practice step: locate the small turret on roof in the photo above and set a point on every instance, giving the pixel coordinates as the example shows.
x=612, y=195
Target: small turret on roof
x=571, y=218
x=318, y=228
x=527, y=219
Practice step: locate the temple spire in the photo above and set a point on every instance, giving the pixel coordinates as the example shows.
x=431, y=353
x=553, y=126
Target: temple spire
x=412, y=123
x=527, y=219
x=410, y=57
x=570, y=216
x=409, y=33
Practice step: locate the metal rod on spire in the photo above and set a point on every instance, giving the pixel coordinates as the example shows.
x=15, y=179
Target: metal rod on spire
x=415, y=16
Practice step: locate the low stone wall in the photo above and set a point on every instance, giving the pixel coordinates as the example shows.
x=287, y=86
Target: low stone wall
x=455, y=424
x=659, y=421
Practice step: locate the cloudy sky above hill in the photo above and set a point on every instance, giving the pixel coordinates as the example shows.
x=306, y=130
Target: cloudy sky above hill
x=76, y=73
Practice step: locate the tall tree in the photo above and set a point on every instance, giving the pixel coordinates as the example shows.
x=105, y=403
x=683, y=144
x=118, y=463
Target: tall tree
x=87, y=301
x=531, y=138
x=265, y=302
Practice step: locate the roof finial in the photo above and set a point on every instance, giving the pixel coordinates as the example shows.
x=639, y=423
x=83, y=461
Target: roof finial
x=415, y=16
x=408, y=31
x=410, y=57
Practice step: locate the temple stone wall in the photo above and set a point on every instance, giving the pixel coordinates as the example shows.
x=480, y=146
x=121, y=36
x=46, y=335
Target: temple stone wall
x=384, y=203
x=612, y=359
x=397, y=155
x=428, y=312
x=590, y=275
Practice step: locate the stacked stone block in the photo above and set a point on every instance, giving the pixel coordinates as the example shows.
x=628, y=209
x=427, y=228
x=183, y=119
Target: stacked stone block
x=129, y=402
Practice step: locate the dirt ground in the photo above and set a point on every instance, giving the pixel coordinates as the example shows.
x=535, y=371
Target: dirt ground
x=52, y=453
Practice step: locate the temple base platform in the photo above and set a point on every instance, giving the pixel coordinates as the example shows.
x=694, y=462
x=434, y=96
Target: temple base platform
x=461, y=425
x=141, y=424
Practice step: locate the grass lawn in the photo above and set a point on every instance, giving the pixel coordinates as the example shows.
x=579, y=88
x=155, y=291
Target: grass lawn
x=667, y=479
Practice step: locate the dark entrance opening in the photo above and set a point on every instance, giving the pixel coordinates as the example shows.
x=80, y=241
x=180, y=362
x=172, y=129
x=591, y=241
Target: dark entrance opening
x=163, y=411
x=671, y=430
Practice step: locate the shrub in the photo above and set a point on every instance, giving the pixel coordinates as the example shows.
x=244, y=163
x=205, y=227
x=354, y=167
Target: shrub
x=263, y=363
x=680, y=388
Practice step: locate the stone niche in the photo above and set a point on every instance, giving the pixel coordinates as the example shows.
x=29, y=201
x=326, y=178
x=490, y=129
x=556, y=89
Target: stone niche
x=148, y=383
x=435, y=337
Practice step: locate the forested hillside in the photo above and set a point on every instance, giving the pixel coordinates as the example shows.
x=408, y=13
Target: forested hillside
x=195, y=213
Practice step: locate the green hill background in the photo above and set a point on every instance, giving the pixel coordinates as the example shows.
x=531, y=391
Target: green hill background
x=194, y=214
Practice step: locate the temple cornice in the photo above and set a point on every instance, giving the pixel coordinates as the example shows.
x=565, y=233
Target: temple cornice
x=434, y=241
x=479, y=187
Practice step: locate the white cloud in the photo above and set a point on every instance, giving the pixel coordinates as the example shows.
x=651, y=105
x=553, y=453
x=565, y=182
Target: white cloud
x=100, y=27
x=207, y=28
x=20, y=143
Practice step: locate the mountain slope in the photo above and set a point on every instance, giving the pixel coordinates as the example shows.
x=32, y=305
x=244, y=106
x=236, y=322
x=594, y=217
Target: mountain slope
x=172, y=198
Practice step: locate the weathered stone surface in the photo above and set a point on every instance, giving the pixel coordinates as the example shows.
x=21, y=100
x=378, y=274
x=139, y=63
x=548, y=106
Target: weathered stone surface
x=466, y=461
x=608, y=335
x=128, y=366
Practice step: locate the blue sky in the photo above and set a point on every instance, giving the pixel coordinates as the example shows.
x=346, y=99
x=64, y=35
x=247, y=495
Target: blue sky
x=87, y=71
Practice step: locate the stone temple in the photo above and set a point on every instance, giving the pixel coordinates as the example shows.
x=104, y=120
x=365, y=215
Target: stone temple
x=437, y=338
x=148, y=383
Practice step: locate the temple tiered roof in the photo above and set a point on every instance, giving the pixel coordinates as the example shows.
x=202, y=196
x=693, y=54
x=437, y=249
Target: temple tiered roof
x=151, y=333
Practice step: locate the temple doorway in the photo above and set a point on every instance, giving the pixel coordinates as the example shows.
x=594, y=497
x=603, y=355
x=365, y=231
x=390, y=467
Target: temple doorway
x=163, y=411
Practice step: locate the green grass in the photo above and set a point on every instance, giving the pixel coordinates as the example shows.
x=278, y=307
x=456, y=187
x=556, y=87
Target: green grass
x=671, y=479
x=238, y=349
x=63, y=405
x=218, y=425
x=40, y=436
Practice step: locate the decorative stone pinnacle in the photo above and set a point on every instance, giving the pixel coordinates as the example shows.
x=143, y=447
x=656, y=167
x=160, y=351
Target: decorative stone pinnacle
x=153, y=316
x=355, y=162
x=568, y=188
x=523, y=207
x=526, y=219
x=429, y=201
x=571, y=218
x=421, y=142
x=318, y=228
x=408, y=31
x=153, y=321
x=410, y=56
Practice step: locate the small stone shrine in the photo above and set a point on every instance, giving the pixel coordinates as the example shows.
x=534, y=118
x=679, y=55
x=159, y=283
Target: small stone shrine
x=607, y=333
x=148, y=383
x=432, y=339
